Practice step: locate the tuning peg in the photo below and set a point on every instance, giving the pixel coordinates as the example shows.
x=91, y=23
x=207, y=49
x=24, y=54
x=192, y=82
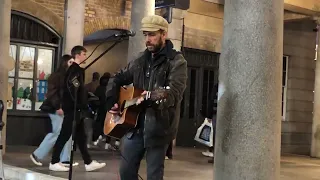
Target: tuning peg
x=168, y=87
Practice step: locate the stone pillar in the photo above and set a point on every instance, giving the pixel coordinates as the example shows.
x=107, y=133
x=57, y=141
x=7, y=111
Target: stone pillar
x=175, y=32
x=74, y=25
x=315, y=143
x=139, y=10
x=175, y=28
x=5, y=16
x=249, y=108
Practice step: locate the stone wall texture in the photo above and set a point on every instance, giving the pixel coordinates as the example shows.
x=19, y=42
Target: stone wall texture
x=299, y=45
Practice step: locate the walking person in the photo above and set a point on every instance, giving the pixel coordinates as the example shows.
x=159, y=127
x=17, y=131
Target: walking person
x=99, y=123
x=52, y=106
x=212, y=115
x=74, y=75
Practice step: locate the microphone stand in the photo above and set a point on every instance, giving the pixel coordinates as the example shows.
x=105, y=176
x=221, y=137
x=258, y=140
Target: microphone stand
x=76, y=84
x=1, y=147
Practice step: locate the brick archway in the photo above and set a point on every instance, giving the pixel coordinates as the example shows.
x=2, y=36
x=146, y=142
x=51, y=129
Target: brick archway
x=40, y=12
x=112, y=22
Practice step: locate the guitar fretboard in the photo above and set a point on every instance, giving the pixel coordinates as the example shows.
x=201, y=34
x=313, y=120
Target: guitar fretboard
x=131, y=102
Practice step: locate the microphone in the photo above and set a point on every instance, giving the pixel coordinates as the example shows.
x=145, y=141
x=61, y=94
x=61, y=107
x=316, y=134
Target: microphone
x=126, y=33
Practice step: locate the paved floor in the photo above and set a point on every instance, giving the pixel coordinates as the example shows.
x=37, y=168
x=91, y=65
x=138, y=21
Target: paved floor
x=188, y=164
x=181, y=168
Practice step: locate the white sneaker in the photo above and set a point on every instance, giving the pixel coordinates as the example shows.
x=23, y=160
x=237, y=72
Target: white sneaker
x=58, y=167
x=107, y=146
x=167, y=158
x=117, y=143
x=97, y=141
x=94, y=165
x=67, y=164
x=35, y=160
x=207, y=154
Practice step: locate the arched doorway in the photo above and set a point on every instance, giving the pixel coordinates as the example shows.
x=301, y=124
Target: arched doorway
x=35, y=47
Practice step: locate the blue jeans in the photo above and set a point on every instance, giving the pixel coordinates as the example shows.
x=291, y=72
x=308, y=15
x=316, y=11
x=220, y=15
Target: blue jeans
x=48, y=142
x=133, y=150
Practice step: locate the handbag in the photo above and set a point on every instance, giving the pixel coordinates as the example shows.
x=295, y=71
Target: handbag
x=204, y=133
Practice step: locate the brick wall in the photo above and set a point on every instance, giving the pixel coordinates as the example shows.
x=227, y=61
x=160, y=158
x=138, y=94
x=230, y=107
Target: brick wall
x=94, y=8
x=299, y=44
x=56, y=6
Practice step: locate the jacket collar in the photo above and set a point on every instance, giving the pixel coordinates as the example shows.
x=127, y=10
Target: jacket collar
x=167, y=52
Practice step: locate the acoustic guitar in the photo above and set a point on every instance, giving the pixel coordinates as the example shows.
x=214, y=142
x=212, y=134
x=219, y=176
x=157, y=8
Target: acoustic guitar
x=117, y=125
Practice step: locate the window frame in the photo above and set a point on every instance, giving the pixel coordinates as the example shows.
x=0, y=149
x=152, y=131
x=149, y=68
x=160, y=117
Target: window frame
x=35, y=70
x=285, y=87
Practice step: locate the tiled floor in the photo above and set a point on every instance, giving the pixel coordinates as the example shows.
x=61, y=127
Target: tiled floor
x=188, y=164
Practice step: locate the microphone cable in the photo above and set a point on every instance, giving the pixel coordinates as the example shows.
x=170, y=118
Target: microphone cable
x=115, y=148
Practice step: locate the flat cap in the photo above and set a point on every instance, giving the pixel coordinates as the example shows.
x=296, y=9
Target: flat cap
x=154, y=23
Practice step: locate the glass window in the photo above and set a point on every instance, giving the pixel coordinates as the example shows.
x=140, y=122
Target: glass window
x=44, y=61
x=26, y=62
x=45, y=57
x=13, y=54
x=24, y=94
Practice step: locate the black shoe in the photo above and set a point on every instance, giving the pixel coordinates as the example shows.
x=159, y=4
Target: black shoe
x=211, y=161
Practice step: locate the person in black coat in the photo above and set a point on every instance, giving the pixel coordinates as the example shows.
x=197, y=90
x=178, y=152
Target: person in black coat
x=74, y=103
x=100, y=93
x=211, y=115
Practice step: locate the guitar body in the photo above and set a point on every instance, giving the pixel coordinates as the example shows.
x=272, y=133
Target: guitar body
x=128, y=116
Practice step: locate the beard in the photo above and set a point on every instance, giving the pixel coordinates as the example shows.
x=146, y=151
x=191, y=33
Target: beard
x=154, y=48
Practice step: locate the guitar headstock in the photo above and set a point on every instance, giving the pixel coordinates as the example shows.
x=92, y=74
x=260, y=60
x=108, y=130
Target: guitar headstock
x=158, y=94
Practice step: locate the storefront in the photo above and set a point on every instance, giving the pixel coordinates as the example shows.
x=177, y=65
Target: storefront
x=35, y=47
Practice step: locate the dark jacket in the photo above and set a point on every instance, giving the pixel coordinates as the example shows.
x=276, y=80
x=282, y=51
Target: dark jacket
x=101, y=93
x=92, y=86
x=168, y=68
x=54, y=93
x=74, y=73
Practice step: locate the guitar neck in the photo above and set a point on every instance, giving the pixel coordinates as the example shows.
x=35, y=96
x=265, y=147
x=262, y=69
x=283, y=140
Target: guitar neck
x=131, y=102
x=149, y=95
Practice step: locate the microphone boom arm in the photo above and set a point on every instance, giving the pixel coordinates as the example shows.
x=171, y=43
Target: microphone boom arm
x=112, y=46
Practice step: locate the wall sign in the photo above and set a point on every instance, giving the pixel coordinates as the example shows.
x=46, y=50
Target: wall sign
x=179, y=4
x=165, y=3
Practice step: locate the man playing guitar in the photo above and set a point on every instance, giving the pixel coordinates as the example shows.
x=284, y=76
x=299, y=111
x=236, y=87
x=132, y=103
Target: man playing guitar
x=158, y=66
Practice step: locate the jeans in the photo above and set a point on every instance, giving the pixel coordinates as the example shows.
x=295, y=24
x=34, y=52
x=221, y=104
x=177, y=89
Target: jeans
x=65, y=134
x=133, y=150
x=88, y=129
x=48, y=142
